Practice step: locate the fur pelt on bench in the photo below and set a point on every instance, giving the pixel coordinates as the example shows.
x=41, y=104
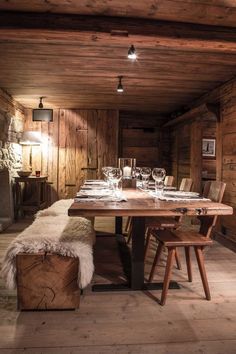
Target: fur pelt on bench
x=54, y=233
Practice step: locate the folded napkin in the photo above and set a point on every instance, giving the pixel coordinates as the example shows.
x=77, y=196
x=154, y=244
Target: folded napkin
x=106, y=198
x=94, y=192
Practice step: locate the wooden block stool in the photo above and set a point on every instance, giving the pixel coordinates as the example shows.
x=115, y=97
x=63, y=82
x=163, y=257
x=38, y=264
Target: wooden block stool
x=47, y=282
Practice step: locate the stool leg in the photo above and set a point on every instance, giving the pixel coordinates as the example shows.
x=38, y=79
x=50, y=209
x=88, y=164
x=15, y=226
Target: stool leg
x=147, y=243
x=177, y=259
x=156, y=259
x=170, y=260
x=201, y=266
x=188, y=262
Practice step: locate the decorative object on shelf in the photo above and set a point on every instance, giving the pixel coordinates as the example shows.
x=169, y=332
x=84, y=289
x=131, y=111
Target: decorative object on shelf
x=208, y=147
x=42, y=114
x=23, y=173
x=120, y=86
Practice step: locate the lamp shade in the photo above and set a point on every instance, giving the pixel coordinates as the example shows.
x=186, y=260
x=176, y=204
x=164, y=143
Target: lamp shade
x=30, y=138
x=42, y=115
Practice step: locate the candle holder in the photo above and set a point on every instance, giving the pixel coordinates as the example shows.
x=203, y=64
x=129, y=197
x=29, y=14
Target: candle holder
x=127, y=165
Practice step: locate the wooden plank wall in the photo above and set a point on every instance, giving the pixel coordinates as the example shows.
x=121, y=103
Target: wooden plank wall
x=141, y=136
x=75, y=146
x=180, y=152
x=225, y=132
x=186, y=145
x=209, y=164
x=225, y=97
x=228, y=167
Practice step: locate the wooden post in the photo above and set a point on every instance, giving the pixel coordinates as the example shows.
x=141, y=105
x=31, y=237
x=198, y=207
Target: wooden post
x=196, y=155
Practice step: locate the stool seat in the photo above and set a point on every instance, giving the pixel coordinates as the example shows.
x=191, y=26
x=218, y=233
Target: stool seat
x=180, y=238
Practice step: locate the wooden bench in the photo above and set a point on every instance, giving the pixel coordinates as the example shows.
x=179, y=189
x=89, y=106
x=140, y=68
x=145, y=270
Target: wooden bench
x=47, y=282
x=51, y=260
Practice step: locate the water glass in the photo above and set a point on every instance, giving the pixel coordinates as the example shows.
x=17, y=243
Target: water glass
x=145, y=173
x=105, y=171
x=158, y=175
x=115, y=176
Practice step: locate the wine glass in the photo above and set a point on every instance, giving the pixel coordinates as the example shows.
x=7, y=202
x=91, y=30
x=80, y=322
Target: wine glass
x=137, y=172
x=105, y=171
x=158, y=175
x=115, y=175
x=145, y=173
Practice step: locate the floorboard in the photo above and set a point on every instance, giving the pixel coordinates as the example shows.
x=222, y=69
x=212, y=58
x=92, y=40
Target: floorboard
x=129, y=322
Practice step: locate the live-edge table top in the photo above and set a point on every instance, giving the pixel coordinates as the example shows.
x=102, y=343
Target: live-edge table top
x=139, y=203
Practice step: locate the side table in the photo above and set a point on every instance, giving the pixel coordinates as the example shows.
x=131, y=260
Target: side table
x=30, y=194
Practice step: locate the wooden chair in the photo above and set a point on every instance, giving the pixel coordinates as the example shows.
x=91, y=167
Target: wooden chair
x=167, y=222
x=172, y=239
x=186, y=184
x=169, y=180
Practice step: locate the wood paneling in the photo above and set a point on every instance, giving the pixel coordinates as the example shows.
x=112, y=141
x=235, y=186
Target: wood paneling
x=76, y=145
x=76, y=60
x=209, y=128
x=142, y=137
x=195, y=11
x=225, y=132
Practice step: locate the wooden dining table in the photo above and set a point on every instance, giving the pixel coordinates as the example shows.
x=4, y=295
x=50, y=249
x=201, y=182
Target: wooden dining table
x=140, y=204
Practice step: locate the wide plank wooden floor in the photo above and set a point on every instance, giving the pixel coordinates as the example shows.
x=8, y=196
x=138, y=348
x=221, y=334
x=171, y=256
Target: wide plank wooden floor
x=130, y=322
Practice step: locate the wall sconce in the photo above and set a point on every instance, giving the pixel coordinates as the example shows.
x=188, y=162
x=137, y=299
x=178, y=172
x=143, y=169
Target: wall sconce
x=42, y=114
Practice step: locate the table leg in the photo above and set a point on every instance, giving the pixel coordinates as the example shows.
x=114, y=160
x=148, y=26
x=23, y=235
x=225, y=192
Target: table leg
x=118, y=226
x=138, y=237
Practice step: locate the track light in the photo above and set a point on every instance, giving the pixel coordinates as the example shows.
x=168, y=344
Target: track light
x=120, y=86
x=132, y=53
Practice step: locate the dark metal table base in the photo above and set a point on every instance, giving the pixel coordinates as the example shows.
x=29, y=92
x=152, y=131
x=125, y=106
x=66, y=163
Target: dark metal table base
x=126, y=287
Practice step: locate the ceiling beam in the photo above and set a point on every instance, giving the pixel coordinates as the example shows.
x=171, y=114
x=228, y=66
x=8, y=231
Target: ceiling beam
x=206, y=110
x=113, y=31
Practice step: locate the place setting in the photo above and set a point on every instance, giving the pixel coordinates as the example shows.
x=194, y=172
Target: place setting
x=109, y=189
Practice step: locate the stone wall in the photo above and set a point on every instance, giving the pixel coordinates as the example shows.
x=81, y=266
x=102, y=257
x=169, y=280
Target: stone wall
x=10, y=151
x=11, y=127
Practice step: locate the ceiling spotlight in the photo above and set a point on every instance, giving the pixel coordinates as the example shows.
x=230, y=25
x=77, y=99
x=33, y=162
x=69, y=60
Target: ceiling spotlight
x=120, y=86
x=132, y=53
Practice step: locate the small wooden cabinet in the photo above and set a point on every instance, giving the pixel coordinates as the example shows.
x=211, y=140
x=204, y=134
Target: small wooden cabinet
x=30, y=194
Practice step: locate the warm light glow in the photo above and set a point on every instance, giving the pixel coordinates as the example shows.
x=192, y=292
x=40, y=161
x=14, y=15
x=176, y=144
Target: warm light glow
x=30, y=138
x=132, y=53
x=120, y=89
x=120, y=86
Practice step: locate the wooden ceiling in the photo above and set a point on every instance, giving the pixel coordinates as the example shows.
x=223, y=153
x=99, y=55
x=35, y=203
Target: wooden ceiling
x=75, y=60
x=208, y=12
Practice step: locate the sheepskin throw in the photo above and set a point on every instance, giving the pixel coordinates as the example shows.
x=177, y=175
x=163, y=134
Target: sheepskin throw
x=54, y=233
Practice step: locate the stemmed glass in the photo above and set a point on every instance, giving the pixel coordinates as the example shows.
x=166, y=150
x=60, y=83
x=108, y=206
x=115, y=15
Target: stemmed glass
x=158, y=175
x=105, y=171
x=145, y=173
x=115, y=175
